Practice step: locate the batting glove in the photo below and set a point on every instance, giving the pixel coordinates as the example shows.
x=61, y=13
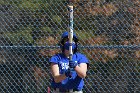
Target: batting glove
x=73, y=64
x=68, y=73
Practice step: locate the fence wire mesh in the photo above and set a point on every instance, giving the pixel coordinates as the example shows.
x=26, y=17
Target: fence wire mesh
x=109, y=34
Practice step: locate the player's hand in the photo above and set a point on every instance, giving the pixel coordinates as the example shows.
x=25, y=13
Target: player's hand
x=73, y=64
x=68, y=73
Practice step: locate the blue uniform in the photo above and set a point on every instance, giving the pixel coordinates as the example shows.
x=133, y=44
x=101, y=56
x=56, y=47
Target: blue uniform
x=75, y=82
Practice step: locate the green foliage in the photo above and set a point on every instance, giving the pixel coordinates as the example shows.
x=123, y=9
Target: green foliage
x=57, y=19
x=84, y=22
x=47, y=29
x=22, y=36
x=2, y=2
x=10, y=2
x=84, y=34
x=32, y=5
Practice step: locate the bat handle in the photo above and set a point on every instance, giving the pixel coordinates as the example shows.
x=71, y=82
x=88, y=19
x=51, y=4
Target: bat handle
x=70, y=59
x=49, y=90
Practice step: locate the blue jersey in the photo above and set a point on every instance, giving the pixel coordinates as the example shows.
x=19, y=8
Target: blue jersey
x=74, y=82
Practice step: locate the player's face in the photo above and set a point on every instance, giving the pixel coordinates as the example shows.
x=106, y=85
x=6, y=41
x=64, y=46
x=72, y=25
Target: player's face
x=66, y=52
x=66, y=47
x=66, y=39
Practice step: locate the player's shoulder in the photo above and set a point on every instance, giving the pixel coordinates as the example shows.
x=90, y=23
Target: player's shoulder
x=81, y=58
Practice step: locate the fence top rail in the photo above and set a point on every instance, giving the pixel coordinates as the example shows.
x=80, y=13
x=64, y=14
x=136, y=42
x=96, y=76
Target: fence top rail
x=135, y=47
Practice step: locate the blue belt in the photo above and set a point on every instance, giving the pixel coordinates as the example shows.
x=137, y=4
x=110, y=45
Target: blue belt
x=65, y=90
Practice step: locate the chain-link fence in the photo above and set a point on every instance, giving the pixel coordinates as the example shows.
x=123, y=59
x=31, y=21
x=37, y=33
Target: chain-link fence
x=109, y=34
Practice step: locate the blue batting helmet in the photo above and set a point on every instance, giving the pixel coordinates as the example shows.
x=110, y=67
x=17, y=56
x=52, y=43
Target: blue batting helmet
x=64, y=37
x=65, y=34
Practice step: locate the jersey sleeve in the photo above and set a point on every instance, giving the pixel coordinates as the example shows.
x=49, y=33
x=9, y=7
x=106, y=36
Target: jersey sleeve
x=83, y=59
x=54, y=59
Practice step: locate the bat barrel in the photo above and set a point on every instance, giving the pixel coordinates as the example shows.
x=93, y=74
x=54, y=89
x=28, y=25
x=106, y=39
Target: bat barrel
x=70, y=32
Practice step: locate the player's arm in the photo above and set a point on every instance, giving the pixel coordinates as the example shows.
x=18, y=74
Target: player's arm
x=55, y=72
x=81, y=70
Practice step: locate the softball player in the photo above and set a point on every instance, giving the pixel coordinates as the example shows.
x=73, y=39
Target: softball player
x=67, y=80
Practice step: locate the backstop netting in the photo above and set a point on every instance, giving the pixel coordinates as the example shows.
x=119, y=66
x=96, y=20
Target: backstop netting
x=108, y=32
